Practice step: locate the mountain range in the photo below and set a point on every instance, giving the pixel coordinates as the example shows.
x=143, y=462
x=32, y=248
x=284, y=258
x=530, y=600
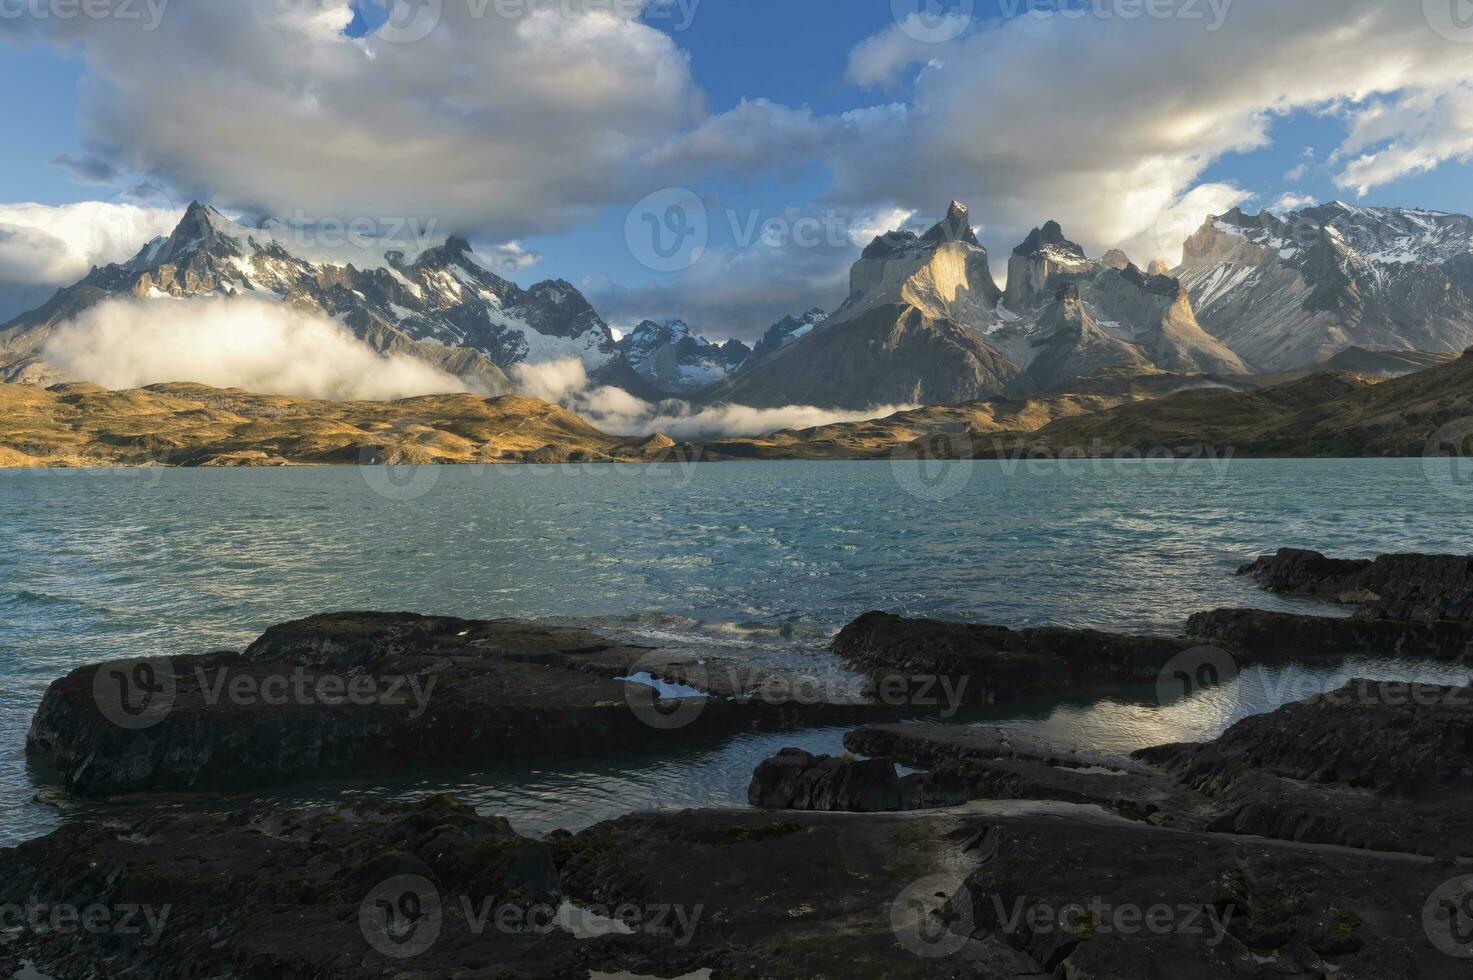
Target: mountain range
x=925, y=321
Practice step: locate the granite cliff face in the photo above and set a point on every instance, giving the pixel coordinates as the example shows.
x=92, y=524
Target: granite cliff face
x=1298, y=290
x=925, y=322
x=911, y=331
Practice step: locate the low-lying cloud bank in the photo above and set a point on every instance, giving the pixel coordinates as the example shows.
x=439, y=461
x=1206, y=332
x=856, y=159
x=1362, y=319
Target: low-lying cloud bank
x=260, y=345
x=615, y=410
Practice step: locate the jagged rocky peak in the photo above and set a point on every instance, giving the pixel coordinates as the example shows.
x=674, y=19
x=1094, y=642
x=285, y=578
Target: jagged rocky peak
x=943, y=273
x=788, y=330
x=1158, y=267
x=1294, y=291
x=1115, y=259
x=674, y=359
x=1035, y=264
x=955, y=227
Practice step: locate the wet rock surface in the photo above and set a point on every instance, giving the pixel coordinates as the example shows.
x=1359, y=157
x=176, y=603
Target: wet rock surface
x=978, y=664
x=796, y=780
x=1290, y=636
x=1380, y=765
x=1375, y=765
x=1389, y=587
x=386, y=692
x=368, y=890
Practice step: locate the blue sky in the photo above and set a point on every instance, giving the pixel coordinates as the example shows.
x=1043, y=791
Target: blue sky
x=545, y=132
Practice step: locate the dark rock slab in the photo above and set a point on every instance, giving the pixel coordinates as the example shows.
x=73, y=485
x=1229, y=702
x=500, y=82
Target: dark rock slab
x=776, y=895
x=1391, y=587
x=1381, y=765
x=1373, y=766
x=976, y=664
x=1001, y=891
x=1133, y=902
x=996, y=764
x=796, y=780
x=387, y=692
x=1289, y=636
x=291, y=893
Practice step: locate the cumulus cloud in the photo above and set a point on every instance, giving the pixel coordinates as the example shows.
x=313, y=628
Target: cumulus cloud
x=255, y=344
x=615, y=410
x=772, y=264
x=1109, y=124
x=1291, y=202
x=524, y=119
x=57, y=245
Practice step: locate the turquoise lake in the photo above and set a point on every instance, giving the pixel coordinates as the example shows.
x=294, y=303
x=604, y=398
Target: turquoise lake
x=758, y=561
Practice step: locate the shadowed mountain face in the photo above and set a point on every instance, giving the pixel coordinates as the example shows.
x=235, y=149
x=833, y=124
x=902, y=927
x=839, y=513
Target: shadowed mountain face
x=1126, y=411
x=926, y=323
x=442, y=307
x=676, y=361
x=1295, y=291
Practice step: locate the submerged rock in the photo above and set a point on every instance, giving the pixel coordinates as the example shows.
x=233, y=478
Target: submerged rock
x=387, y=692
x=795, y=780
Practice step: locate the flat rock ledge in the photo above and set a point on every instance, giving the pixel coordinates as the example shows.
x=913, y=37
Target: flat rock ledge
x=971, y=664
x=1290, y=636
x=386, y=692
x=1047, y=874
x=795, y=780
x=1389, y=587
x=1381, y=766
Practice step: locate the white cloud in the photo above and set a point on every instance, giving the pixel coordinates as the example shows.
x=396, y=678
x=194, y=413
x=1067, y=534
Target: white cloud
x=1109, y=124
x=1411, y=133
x=510, y=257
x=57, y=245
x=741, y=420
x=259, y=345
x=1291, y=202
x=498, y=124
x=615, y=410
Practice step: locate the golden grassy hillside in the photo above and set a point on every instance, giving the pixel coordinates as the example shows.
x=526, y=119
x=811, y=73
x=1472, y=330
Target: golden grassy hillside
x=195, y=425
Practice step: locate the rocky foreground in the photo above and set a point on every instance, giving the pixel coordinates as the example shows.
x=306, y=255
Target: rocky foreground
x=1332, y=838
x=1059, y=864
x=387, y=692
